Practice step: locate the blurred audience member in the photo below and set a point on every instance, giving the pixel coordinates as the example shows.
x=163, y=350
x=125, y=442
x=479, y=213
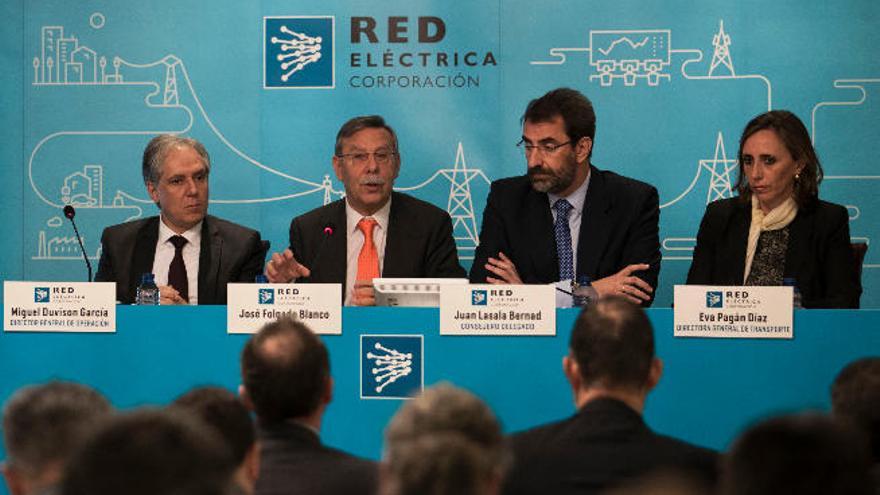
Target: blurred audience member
x=855, y=399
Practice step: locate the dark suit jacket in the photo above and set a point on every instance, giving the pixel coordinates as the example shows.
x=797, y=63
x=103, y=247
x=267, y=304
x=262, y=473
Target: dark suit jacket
x=293, y=462
x=819, y=255
x=619, y=227
x=228, y=253
x=418, y=244
x=604, y=444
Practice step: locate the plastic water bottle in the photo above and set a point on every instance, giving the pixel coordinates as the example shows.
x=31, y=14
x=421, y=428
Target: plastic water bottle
x=792, y=282
x=261, y=279
x=147, y=291
x=583, y=293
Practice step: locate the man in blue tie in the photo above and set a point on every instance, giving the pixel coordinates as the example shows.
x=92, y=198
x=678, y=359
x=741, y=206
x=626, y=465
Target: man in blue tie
x=566, y=219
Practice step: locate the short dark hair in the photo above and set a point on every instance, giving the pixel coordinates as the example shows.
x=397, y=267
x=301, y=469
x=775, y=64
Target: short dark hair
x=855, y=398
x=356, y=124
x=575, y=109
x=613, y=344
x=159, y=147
x=793, y=134
x=45, y=424
x=151, y=452
x=285, y=368
x=226, y=413
x=803, y=454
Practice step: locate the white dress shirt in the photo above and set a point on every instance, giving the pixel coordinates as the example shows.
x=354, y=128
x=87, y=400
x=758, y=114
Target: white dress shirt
x=191, y=250
x=355, y=241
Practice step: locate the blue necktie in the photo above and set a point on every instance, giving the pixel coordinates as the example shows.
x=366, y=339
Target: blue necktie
x=563, y=239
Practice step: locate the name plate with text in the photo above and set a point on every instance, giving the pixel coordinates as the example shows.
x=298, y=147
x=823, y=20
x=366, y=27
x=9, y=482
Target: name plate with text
x=250, y=306
x=512, y=310
x=753, y=312
x=59, y=306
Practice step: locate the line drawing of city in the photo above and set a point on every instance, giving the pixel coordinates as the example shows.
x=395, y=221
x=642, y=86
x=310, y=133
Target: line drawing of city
x=84, y=188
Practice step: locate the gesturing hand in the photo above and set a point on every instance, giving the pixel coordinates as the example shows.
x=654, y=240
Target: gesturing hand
x=504, y=269
x=284, y=268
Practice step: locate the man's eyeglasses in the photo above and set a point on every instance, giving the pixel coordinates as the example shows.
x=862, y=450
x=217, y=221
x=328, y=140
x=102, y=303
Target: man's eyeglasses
x=382, y=157
x=544, y=148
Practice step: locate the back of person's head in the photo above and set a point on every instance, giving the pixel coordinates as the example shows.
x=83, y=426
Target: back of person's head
x=285, y=370
x=443, y=417
x=445, y=463
x=803, y=454
x=42, y=426
x=224, y=411
x=855, y=398
x=151, y=452
x=612, y=343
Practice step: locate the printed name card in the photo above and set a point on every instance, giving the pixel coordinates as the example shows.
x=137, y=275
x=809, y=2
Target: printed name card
x=250, y=306
x=59, y=306
x=733, y=312
x=497, y=310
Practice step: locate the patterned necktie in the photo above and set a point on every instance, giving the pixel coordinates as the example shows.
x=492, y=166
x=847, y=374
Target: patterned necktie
x=177, y=277
x=368, y=259
x=563, y=239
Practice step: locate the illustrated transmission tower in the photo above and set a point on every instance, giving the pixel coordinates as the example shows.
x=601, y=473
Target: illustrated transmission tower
x=719, y=167
x=721, y=56
x=461, y=207
x=169, y=96
x=327, y=190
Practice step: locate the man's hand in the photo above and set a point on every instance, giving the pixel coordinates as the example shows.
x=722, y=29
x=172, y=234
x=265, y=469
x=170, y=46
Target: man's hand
x=283, y=268
x=625, y=284
x=504, y=269
x=169, y=295
x=363, y=293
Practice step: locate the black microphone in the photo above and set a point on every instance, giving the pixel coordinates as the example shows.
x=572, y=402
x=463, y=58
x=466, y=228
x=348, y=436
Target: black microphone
x=69, y=212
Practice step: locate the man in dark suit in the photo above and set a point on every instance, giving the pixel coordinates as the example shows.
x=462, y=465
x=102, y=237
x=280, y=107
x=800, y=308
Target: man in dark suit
x=567, y=219
x=286, y=381
x=373, y=231
x=193, y=255
x=611, y=367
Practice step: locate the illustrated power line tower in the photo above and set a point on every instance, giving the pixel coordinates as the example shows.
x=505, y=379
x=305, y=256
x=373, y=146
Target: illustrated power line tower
x=327, y=190
x=461, y=207
x=169, y=96
x=719, y=167
x=721, y=56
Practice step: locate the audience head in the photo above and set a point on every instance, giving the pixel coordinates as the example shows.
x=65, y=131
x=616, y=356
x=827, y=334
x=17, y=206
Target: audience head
x=42, y=426
x=285, y=372
x=612, y=349
x=445, y=441
x=150, y=452
x=805, y=454
x=227, y=415
x=855, y=399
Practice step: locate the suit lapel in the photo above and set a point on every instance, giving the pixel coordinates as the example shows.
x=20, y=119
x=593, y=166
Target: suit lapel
x=398, y=241
x=595, y=225
x=542, y=244
x=332, y=249
x=210, y=253
x=144, y=252
x=799, y=234
x=739, y=225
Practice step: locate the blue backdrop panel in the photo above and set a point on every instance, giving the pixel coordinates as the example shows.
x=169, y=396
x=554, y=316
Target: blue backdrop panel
x=711, y=388
x=266, y=85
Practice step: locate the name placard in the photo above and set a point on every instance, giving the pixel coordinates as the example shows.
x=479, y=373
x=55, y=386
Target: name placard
x=497, y=310
x=59, y=307
x=250, y=306
x=733, y=312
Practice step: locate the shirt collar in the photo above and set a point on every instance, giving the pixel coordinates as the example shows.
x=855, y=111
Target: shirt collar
x=577, y=198
x=352, y=217
x=193, y=235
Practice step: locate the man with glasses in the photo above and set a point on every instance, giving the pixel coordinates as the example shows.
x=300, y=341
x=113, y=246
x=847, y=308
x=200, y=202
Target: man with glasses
x=566, y=219
x=372, y=232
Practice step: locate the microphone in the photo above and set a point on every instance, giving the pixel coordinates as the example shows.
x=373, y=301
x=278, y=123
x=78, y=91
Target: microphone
x=69, y=212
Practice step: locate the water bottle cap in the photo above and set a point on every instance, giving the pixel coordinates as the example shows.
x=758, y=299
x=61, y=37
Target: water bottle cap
x=148, y=278
x=789, y=282
x=261, y=279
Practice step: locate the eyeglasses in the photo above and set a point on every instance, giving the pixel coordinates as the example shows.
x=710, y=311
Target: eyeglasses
x=544, y=148
x=382, y=157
